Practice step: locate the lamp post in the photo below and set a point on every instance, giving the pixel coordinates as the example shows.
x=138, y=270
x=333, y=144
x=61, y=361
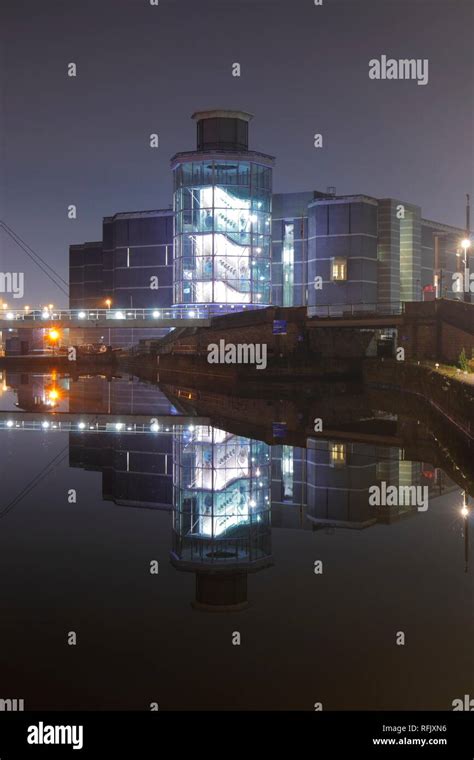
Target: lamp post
x=108, y=303
x=465, y=515
x=464, y=247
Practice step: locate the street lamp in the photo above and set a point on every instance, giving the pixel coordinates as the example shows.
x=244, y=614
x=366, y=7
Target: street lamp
x=108, y=303
x=53, y=396
x=465, y=245
x=54, y=336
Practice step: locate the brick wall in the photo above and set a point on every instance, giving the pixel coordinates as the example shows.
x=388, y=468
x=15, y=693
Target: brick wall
x=437, y=330
x=453, y=340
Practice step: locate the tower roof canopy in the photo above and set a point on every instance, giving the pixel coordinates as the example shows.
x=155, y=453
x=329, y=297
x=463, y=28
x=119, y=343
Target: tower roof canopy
x=219, y=113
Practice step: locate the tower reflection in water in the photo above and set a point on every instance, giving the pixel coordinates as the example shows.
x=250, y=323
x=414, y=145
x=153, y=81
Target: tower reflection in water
x=221, y=513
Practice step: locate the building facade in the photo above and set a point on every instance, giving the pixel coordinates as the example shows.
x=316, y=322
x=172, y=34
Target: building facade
x=229, y=241
x=339, y=250
x=131, y=267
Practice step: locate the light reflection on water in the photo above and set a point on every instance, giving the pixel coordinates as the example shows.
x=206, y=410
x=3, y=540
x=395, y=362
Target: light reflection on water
x=236, y=525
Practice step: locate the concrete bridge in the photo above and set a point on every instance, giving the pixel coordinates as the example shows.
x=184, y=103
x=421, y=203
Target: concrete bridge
x=356, y=315
x=436, y=330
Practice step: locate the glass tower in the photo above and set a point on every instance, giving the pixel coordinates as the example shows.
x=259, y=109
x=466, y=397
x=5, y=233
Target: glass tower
x=221, y=513
x=222, y=205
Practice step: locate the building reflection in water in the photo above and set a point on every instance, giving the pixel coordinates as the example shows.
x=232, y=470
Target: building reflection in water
x=221, y=513
x=136, y=469
x=328, y=483
x=37, y=392
x=226, y=492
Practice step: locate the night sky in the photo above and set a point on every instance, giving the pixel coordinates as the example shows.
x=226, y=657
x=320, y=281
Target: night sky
x=144, y=69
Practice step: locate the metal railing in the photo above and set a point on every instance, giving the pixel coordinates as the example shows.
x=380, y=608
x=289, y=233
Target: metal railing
x=118, y=314
x=356, y=310
x=98, y=423
x=201, y=311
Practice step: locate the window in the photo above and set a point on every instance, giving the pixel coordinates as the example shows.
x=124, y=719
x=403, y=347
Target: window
x=337, y=453
x=288, y=257
x=338, y=269
x=222, y=235
x=287, y=472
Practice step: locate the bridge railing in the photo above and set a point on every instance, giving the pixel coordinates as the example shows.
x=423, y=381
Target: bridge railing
x=201, y=311
x=355, y=310
x=98, y=423
x=94, y=315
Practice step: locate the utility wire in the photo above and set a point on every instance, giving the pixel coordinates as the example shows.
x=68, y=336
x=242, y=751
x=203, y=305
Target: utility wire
x=17, y=238
x=58, y=459
x=31, y=253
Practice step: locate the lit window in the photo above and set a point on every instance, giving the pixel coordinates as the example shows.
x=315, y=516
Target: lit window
x=288, y=257
x=338, y=269
x=337, y=452
x=287, y=472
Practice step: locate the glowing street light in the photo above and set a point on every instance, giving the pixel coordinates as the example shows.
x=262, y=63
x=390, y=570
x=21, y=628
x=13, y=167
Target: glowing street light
x=53, y=396
x=465, y=245
x=54, y=336
x=108, y=302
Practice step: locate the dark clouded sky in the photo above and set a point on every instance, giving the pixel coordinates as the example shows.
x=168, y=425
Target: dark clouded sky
x=144, y=69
